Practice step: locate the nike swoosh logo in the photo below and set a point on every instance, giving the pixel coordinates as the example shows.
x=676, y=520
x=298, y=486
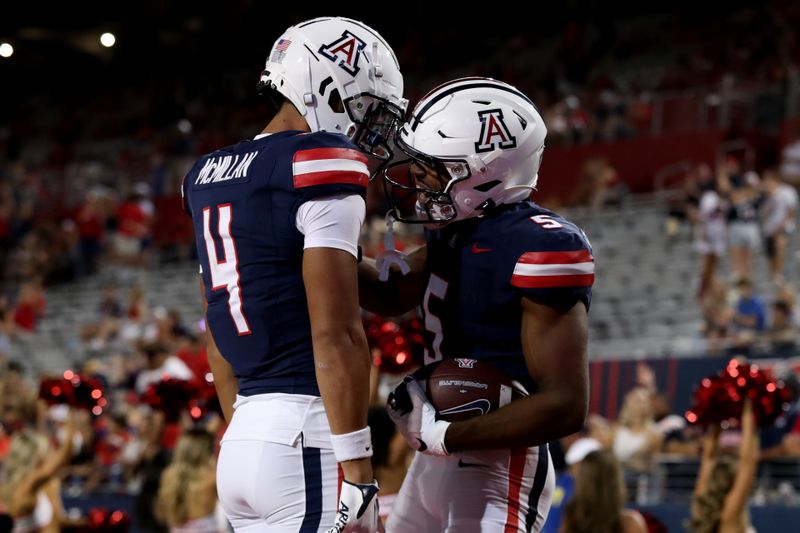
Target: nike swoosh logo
x=368, y=492
x=478, y=250
x=462, y=464
x=483, y=405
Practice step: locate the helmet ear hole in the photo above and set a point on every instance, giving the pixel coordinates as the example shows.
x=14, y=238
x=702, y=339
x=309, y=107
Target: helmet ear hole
x=335, y=101
x=486, y=187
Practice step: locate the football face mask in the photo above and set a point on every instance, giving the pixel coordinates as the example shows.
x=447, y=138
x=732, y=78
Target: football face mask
x=375, y=121
x=417, y=187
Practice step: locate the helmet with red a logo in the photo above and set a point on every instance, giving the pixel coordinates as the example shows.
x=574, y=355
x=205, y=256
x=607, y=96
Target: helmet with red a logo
x=343, y=77
x=483, y=138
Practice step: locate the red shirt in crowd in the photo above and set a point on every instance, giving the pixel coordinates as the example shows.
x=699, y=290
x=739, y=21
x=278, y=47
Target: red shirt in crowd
x=131, y=220
x=89, y=222
x=196, y=359
x=27, y=313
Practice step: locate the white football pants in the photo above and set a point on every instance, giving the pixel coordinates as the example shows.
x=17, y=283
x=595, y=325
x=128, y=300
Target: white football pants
x=498, y=491
x=276, y=471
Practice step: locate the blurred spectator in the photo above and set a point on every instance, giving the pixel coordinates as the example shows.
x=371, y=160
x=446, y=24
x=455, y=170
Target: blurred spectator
x=636, y=439
x=711, y=234
x=90, y=220
x=109, y=320
x=790, y=162
x=787, y=295
x=723, y=486
x=676, y=438
x=782, y=333
x=717, y=315
x=17, y=399
x=779, y=213
x=31, y=487
x=187, y=494
x=598, y=504
x=565, y=481
x=192, y=351
x=132, y=230
x=30, y=306
x=110, y=306
x=743, y=232
x=750, y=317
x=160, y=365
x=6, y=325
x=782, y=439
x=599, y=186
x=112, y=437
x=138, y=308
x=685, y=205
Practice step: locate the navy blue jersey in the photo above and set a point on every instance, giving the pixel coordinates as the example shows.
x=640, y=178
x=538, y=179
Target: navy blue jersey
x=243, y=201
x=480, y=270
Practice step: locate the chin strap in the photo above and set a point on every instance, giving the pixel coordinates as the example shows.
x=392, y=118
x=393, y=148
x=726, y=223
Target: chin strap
x=391, y=255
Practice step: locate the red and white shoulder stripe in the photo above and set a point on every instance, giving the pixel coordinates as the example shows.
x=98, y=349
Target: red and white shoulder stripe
x=329, y=166
x=544, y=270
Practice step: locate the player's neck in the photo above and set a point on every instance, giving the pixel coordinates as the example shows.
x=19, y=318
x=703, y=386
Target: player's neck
x=286, y=119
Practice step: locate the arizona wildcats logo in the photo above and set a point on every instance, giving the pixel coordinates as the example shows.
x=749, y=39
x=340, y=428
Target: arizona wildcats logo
x=346, y=50
x=494, y=132
x=465, y=363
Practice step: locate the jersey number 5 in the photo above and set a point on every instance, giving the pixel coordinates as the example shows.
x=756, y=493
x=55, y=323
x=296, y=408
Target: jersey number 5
x=225, y=273
x=437, y=287
x=546, y=222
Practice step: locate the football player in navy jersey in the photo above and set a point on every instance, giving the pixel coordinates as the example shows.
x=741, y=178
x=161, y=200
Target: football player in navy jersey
x=501, y=280
x=277, y=219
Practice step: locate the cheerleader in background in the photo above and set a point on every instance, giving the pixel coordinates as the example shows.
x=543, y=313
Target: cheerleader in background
x=598, y=503
x=187, y=496
x=31, y=489
x=719, y=504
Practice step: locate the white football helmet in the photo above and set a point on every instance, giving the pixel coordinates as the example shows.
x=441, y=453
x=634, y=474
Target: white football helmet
x=343, y=77
x=482, y=137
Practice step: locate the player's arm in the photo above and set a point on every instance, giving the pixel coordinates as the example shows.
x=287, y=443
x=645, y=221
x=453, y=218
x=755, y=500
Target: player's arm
x=224, y=380
x=53, y=463
x=331, y=225
x=554, y=343
x=399, y=294
x=341, y=355
x=746, y=470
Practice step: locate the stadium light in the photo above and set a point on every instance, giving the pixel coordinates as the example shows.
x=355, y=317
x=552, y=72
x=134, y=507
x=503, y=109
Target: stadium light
x=6, y=50
x=108, y=39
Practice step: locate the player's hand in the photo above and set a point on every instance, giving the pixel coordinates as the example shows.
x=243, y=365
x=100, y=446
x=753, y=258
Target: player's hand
x=416, y=418
x=358, y=509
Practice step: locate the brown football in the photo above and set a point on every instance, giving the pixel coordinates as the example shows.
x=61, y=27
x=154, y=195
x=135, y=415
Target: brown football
x=463, y=388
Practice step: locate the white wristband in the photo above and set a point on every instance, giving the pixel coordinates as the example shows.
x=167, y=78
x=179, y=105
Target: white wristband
x=354, y=445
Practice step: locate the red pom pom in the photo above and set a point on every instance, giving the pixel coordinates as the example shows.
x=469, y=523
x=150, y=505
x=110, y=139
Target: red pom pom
x=171, y=396
x=721, y=398
x=74, y=390
x=396, y=347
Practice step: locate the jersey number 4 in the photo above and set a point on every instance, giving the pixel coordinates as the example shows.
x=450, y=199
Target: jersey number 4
x=225, y=273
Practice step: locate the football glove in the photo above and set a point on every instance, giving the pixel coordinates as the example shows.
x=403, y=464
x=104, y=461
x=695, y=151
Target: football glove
x=358, y=509
x=416, y=418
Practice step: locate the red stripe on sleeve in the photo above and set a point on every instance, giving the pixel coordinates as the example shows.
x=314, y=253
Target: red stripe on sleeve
x=315, y=154
x=331, y=177
x=556, y=258
x=552, y=282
